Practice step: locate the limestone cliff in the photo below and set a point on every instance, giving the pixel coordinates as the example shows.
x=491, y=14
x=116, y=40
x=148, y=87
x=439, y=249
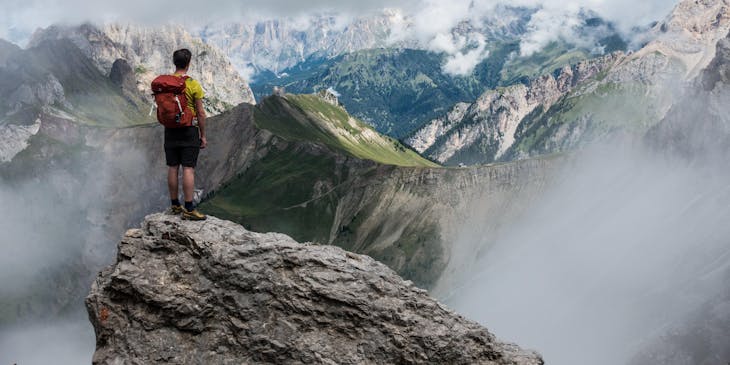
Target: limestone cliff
x=148, y=50
x=483, y=131
x=689, y=33
x=212, y=292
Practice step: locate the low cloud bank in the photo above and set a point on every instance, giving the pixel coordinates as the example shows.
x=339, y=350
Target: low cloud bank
x=626, y=246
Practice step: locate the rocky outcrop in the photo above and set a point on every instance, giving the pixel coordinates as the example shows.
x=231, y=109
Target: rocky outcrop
x=122, y=75
x=149, y=50
x=690, y=32
x=212, y=292
x=697, y=127
x=16, y=138
x=485, y=130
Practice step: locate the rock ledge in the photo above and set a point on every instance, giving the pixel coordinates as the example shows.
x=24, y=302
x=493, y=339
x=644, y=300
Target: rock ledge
x=213, y=293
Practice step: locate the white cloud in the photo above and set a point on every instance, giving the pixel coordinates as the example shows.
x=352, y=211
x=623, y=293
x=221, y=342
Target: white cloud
x=429, y=23
x=463, y=63
x=432, y=24
x=464, y=53
x=549, y=25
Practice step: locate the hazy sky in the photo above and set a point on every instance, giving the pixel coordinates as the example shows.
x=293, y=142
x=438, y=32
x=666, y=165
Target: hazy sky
x=23, y=16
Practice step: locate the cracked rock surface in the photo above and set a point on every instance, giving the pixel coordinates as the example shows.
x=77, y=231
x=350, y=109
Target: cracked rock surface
x=214, y=293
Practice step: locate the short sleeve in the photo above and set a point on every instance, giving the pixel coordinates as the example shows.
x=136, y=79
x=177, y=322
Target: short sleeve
x=196, y=90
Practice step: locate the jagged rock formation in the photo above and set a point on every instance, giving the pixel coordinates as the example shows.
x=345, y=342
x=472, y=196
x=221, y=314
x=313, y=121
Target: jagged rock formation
x=212, y=292
x=149, y=53
x=278, y=44
x=485, y=130
x=690, y=33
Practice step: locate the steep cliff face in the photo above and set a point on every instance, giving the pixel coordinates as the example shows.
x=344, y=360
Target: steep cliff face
x=278, y=44
x=212, y=292
x=697, y=127
x=149, y=50
x=483, y=131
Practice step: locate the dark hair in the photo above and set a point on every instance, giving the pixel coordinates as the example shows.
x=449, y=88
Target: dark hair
x=181, y=58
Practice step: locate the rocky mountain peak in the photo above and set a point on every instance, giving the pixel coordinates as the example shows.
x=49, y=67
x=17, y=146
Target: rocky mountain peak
x=690, y=33
x=213, y=292
x=148, y=51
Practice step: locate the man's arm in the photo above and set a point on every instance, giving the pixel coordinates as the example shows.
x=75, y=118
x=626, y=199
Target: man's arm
x=201, y=121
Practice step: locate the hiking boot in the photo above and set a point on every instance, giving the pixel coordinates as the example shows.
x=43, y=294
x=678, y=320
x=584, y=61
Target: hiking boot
x=176, y=210
x=193, y=215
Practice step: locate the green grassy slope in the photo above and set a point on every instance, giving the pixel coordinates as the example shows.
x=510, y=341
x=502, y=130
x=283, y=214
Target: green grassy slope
x=301, y=188
x=310, y=118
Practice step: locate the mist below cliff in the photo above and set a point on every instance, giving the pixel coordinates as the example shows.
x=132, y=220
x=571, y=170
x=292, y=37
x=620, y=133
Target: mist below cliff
x=612, y=258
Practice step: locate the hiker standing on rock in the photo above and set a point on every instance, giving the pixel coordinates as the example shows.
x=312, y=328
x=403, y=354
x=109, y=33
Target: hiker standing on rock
x=179, y=101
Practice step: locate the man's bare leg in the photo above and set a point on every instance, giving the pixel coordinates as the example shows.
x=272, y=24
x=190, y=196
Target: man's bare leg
x=188, y=187
x=172, y=184
x=188, y=183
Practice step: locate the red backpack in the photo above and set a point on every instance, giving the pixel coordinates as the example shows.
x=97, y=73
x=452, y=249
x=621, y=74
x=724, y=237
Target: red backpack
x=171, y=101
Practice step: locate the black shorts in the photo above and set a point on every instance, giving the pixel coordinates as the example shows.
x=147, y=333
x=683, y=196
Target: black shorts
x=182, y=146
x=186, y=156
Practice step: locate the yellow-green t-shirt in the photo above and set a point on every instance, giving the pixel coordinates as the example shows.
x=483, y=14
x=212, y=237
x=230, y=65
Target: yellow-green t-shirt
x=193, y=91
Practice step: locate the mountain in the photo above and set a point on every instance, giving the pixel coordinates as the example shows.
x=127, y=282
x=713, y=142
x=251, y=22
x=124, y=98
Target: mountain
x=697, y=130
x=275, y=45
x=213, y=292
x=296, y=164
x=149, y=51
x=391, y=89
x=399, y=90
x=483, y=131
x=35, y=81
x=392, y=205
x=626, y=94
x=49, y=120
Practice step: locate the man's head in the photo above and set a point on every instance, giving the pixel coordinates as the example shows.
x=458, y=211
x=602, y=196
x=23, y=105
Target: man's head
x=181, y=58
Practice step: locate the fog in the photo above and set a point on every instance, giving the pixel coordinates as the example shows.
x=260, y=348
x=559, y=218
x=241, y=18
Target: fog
x=43, y=278
x=61, y=342
x=64, y=216
x=623, y=247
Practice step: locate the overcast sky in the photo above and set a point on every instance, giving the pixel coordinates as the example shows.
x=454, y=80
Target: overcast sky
x=20, y=16
x=430, y=20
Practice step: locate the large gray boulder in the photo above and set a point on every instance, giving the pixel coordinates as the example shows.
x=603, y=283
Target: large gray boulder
x=214, y=293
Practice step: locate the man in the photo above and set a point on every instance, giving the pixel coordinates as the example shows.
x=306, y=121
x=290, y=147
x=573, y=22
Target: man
x=182, y=145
